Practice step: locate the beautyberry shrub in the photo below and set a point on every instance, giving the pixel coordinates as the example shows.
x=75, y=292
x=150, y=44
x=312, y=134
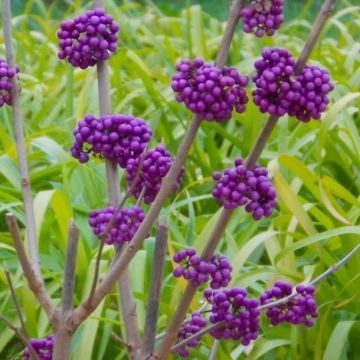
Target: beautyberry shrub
x=6, y=74
x=43, y=347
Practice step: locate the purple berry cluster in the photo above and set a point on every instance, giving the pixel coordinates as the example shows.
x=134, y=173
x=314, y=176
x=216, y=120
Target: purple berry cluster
x=6, y=74
x=263, y=17
x=114, y=137
x=301, y=309
x=88, y=38
x=209, y=92
x=280, y=91
x=126, y=223
x=272, y=79
x=190, y=327
x=193, y=268
x=145, y=173
x=43, y=347
x=308, y=94
x=240, y=186
x=239, y=313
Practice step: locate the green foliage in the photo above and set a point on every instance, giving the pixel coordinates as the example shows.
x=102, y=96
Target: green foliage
x=315, y=166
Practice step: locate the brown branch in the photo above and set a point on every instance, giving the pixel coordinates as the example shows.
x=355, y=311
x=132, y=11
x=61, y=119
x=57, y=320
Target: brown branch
x=20, y=142
x=22, y=337
x=15, y=300
x=155, y=290
x=35, y=283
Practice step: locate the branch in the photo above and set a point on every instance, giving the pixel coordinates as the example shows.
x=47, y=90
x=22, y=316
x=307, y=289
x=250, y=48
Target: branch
x=22, y=337
x=36, y=284
x=214, y=349
x=155, y=290
x=324, y=14
x=282, y=301
x=20, y=142
x=15, y=300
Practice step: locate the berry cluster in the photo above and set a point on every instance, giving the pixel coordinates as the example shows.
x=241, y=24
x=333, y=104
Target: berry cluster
x=126, y=223
x=239, y=313
x=308, y=94
x=272, y=79
x=88, y=38
x=263, y=17
x=114, y=137
x=240, y=186
x=193, y=268
x=190, y=327
x=6, y=74
x=145, y=173
x=43, y=347
x=209, y=92
x=279, y=91
x=301, y=309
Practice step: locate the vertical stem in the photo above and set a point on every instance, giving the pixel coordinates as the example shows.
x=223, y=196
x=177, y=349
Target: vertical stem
x=155, y=290
x=20, y=142
x=64, y=328
x=126, y=297
x=214, y=349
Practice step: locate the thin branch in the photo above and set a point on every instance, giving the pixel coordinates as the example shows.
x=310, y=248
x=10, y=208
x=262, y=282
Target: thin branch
x=70, y=268
x=15, y=300
x=35, y=284
x=119, y=340
x=214, y=349
x=279, y=302
x=324, y=14
x=20, y=142
x=22, y=337
x=155, y=290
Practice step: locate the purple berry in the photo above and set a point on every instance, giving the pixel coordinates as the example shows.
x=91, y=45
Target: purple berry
x=43, y=347
x=6, y=75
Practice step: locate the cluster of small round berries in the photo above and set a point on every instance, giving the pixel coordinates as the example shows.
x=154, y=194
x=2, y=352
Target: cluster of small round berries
x=240, y=186
x=190, y=327
x=145, y=173
x=126, y=223
x=279, y=91
x=88, y=38
x=239, y=313
x=193, y=268
x=263, y=17
x=301, y=309
x=113, y=137
x=209, y=92
x=308, y=94
x=43, y=347
x=6, y=74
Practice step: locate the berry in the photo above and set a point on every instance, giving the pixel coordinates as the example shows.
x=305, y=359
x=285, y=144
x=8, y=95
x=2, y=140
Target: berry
x=148, y=172
x=87, y=39
x=126, y=223
x=114, y=137
x=309, y=98
x=188, y=328
x=239, y=313
x=43, y=347
x=220, y=273
x=301, y=309
x=273, y=81
x=263, y=17
x=253, y=189
x=6, y=74
x=209, y=92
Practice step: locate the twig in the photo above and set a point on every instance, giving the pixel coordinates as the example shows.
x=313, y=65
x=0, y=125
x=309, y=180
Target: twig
x=214, y=349
x=22, y=337
x=140, y=198
x=36, y=284
x=15, y=300
x=119, y=340
x=282, y=301
x=155, y=290
x=20, y=142
x=319, y=23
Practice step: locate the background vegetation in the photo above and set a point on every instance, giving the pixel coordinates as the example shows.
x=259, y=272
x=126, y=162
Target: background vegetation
x=316, y=170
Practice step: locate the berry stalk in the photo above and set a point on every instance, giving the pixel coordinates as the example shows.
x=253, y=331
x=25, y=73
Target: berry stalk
x=20, y=144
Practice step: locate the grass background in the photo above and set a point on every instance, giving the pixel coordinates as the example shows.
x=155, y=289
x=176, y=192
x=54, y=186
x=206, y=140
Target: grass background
x=315, y=167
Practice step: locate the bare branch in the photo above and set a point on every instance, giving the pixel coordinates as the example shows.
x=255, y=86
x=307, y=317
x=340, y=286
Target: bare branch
x=155, y=290
x=214, y=349
x=35, y=284
x=20, y=142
